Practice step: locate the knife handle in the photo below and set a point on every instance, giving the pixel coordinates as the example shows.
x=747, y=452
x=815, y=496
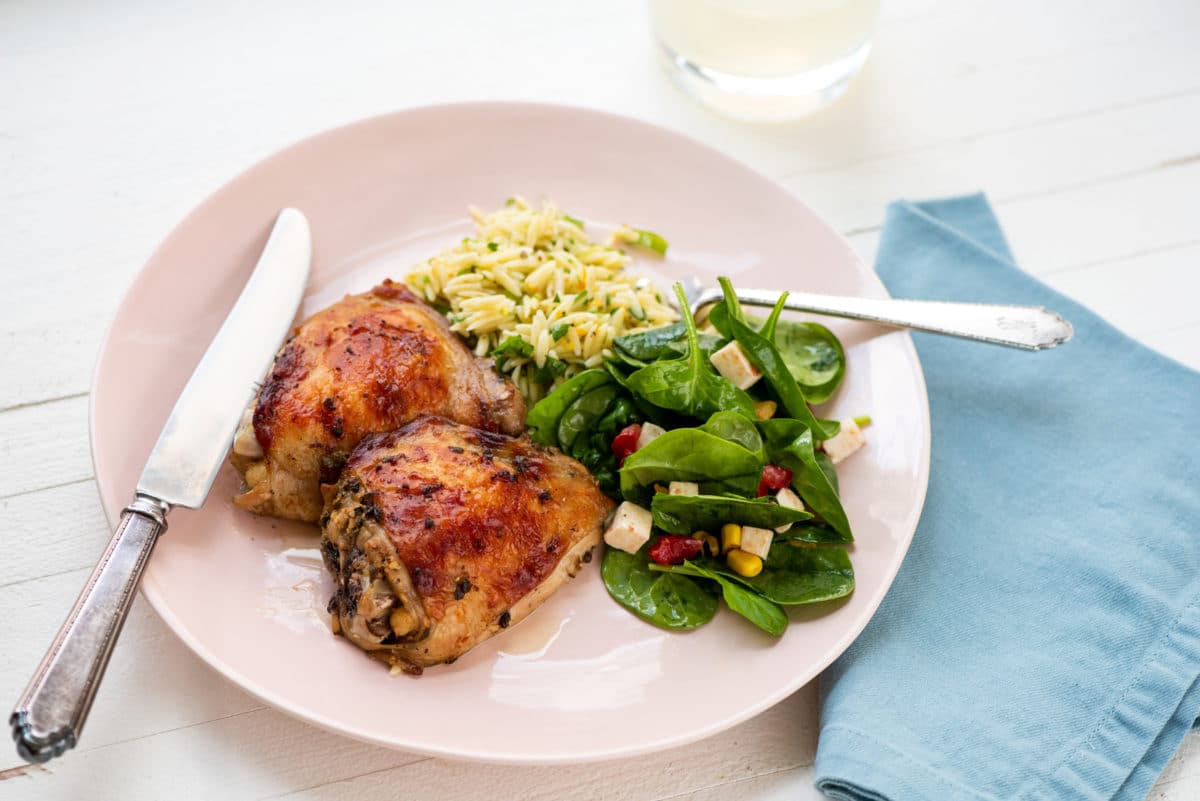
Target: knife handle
x=51, y=712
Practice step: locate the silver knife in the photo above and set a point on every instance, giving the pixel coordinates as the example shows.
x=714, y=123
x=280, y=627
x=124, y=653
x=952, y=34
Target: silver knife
x=180, y=471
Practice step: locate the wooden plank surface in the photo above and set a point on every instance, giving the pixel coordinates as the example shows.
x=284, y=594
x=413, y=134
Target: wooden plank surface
x=1080, y=119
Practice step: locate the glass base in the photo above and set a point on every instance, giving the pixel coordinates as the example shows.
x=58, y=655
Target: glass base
x=773, y=99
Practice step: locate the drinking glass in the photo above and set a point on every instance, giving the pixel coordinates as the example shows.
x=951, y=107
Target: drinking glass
x=764, y=59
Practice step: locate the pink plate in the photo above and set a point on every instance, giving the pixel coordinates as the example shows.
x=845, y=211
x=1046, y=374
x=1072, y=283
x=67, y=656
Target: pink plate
x=581, y=679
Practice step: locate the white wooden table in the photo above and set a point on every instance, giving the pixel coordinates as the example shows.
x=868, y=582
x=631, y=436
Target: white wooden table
x=1080, y=118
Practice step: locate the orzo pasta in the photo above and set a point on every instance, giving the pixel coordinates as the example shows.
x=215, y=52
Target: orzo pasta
x=534, y=291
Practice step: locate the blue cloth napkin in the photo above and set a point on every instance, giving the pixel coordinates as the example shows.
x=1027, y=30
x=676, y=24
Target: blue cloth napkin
x=1042, y=640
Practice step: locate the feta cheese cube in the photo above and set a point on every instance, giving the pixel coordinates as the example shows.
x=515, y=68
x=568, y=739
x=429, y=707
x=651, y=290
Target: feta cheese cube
x=848, y=440
x=757, y=541
x=789, y=500
x=630, y=527
x=733, y=364
x=650, y=432
x=684, y=488
x=785, y=497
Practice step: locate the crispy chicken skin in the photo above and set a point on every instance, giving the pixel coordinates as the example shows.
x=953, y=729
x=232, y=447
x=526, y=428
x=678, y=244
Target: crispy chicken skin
x=440, y=535
x=367, y=364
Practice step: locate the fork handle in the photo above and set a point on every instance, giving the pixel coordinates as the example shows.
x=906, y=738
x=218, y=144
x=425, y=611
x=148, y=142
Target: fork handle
x=1028, y=327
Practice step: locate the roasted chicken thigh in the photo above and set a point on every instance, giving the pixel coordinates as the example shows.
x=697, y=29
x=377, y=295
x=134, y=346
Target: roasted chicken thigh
x=440, y=535
x=367, y=364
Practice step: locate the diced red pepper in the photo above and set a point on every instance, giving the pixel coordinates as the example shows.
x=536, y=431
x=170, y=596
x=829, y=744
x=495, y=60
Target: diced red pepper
x=774, y=478
x=672, y=549
x=625, y=442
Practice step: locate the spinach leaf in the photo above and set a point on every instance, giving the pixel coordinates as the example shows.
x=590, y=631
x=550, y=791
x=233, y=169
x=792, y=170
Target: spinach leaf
x=765, y=356
x=736, y=428
x=794, y=575
x=689, y=384
x=709, y=344
x=544, y=416
x=814, y=533
x=689, y=454
x=744, y=600
x=756, y=608
x=620, y=414
x=621, y=358
x=593, y=448
x=613, y=368
x=649, y=345
x=661, y=417
x=772, y=322
x=790, y=444
x=665, y=342
x=832, y=427
x=813, y=356
x=826, y=465
x=583, y=414
x=664, y=599
x=812, y=352
x=684, y=514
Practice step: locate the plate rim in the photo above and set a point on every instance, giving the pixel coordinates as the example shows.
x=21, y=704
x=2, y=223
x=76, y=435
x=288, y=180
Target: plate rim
x=264, y=694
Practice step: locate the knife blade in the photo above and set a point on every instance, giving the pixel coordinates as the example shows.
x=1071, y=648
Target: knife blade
x=192, y=446
x=180, y=471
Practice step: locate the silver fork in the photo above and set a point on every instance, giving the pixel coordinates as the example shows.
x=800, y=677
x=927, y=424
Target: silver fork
x=1027, y=327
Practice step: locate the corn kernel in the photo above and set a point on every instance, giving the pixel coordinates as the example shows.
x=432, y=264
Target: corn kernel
x=713, y=545
x=765, y=410
x=699, y=535
x=731, y=537
x=744, y=564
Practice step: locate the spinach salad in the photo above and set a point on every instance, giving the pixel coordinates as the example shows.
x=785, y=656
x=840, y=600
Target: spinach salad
x=723, y=475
